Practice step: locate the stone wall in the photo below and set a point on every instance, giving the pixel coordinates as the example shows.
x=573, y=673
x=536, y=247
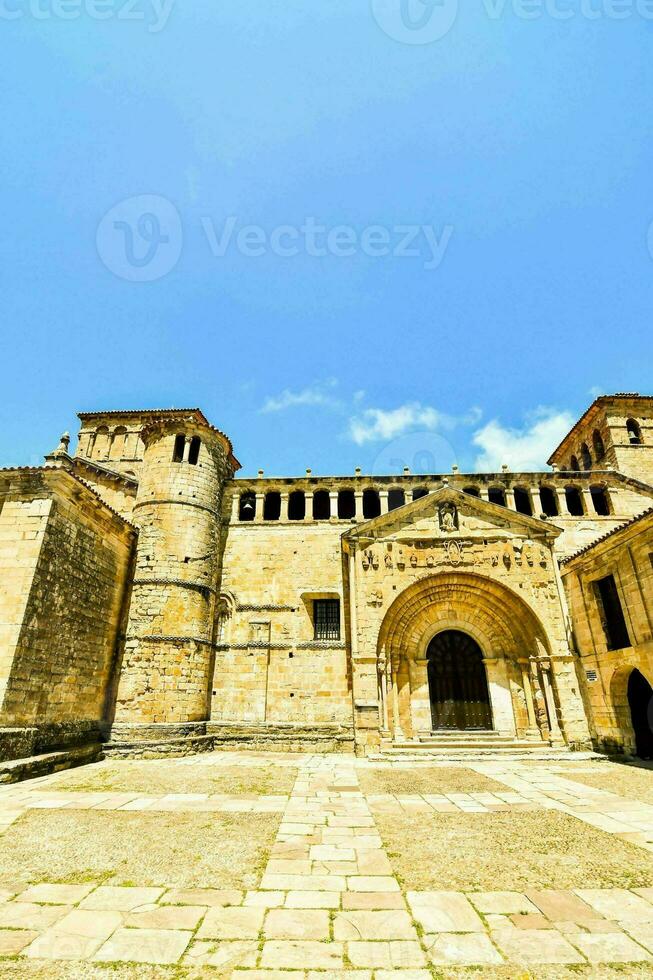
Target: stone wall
x=628, y=556
x=65, y=561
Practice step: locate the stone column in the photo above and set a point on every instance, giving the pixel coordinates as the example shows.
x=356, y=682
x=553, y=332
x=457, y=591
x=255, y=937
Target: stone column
x=383, y=501
x=358, y=496
x=528, y=694
x=503, y=716
x=382, y=668
x=563, y=509
x=283, y=516
x=556, y=734
x=260, y=500
x=510, y=498
x=333, y=505
x=235, y=507
x=589, y=501
x=397, y=731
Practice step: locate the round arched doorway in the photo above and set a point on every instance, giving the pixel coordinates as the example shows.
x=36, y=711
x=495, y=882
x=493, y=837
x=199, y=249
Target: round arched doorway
x=640, y=698
x=458, y=688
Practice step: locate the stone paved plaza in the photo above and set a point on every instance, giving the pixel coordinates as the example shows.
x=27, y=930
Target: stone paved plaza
x=303, y=867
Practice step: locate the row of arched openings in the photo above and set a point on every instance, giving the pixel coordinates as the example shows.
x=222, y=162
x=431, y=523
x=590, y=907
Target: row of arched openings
x=318, y=505
x=586, y=457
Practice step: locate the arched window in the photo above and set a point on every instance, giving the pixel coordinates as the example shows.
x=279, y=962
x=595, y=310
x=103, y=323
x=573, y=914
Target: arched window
x=420, y=492
x=272, y=506
x=101, y=444
x=371, y=504
x=321, y=505
x=194, y=451
x=586, y=456
x=600, y=500
x=117, y=450
x=497, y=495
x=574, y=501
x=247, y=506
x=599, y=448
x=574, y=464
x=523, y=503
x=178, y=450
x=396, y=498
x=472, y=491
x=297, y=506
x=634, y=432
x=549, y=501
x=346, y=505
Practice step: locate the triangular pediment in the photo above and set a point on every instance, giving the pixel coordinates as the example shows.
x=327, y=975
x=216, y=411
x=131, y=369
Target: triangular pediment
x=451, y=514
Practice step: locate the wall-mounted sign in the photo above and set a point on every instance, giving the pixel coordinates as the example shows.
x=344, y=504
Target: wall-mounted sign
x=591, y=675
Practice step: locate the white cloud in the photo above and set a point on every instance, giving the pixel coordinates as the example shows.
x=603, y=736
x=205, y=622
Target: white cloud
x=375, y=424
x=320, y=393
x=524, y=449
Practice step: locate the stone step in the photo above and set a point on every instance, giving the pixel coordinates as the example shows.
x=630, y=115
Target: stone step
x=48, y=762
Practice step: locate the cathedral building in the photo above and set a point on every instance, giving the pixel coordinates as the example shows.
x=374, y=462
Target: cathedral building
x=155, y=603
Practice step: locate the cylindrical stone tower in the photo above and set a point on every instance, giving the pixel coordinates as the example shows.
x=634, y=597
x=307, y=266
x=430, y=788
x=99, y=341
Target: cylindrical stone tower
x=164, y=685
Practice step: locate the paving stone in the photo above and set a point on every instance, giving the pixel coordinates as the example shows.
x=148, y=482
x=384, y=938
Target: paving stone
x=617, y=903
x=227, y=953
x=306, y=883
x=613, y=947
x=645, y=893
x=212, y=897
x=331, y=852
x=372, y=883
x=287, y=954
x=75, y=937
x=642, y=932
x=530, y=920
x=144, y=946
x=264, y=900
x=166, y=917
x=468, y=949
x=372, y=900
x=313, y=900
x=444, y=912
x=387, y=924
x=501, y=903
x=108, y=898
x=535, y=946
x=296, y=924
x=25, y=915
x=12, y=941
x=386, y=955
x=232, y=923
x=55, y=894
x=403, y=975
x=560, y=906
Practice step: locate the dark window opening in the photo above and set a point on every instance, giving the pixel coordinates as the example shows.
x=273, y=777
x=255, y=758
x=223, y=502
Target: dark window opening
x=574, y=464
x=296, y=506
x=321, y=505
x=634, y=432
x=640, y=696
x=497, y=495
x=178, y=451
x=419, y=493
x=614, y=623
x=247, y=507
x=272, y=506
x=326, y=619
x=346, y=505
x=371, y=504
x=601, y=501
x=472, y=491
x=574, y=501
x=549, y=501
x=599, y=448
x=194, y=451
x=586, y=456
x=396, y=498
x=523, y=504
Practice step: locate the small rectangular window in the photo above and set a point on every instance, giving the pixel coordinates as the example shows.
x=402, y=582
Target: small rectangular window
x=326, y=617
x=614, y=623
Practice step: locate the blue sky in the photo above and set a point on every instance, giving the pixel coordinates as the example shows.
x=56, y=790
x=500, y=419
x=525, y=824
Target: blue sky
x=510, y=159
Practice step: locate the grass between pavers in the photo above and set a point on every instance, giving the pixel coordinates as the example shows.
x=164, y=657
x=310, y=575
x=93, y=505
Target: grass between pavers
x=185, y=850
x=510, y=971
x=632, y=780
x=509, y=851
x=158, y=777
x=18, y=968
x=429, y=781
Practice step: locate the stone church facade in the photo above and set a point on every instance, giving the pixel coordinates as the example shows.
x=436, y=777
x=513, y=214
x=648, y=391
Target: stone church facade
x=155, y=603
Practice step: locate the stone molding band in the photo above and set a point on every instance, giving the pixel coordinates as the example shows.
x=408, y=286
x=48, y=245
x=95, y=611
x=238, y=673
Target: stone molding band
x=182, y=583
x=177, y=501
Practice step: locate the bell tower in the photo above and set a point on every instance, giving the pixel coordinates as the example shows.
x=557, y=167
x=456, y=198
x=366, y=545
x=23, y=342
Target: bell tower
x=163, y=690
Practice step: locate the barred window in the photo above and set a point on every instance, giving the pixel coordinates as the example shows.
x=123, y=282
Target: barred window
x=326, y=618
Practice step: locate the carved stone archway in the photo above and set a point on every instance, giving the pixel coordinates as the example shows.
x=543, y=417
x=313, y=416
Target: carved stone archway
x=511, y=637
